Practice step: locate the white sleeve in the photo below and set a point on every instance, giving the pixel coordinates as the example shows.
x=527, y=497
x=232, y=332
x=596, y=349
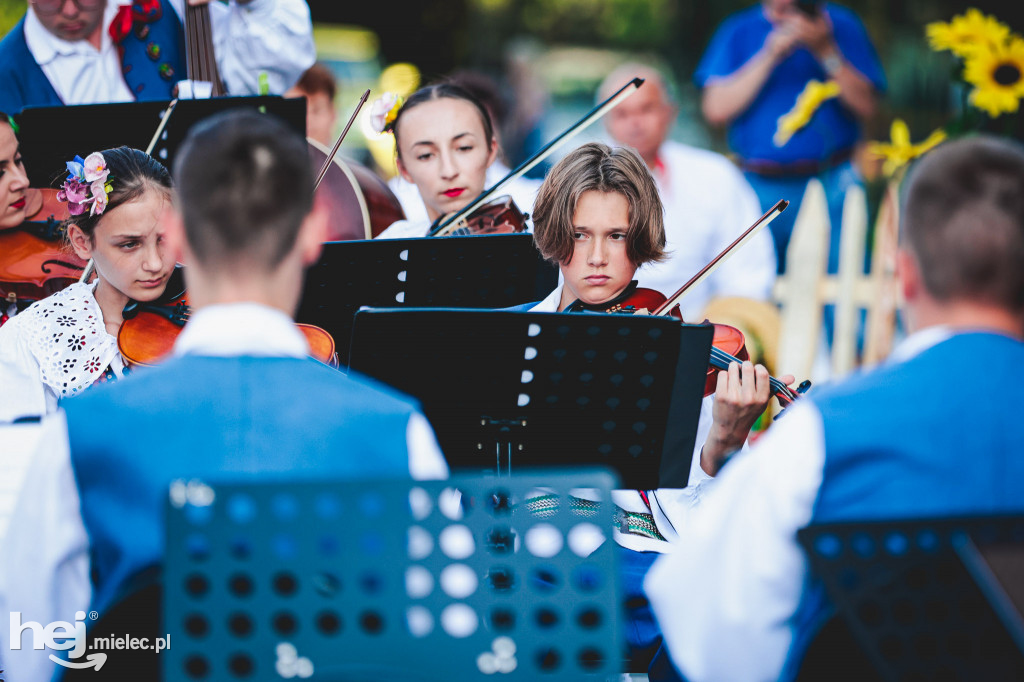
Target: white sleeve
x=426, y=463
x=24, y=394
x=725, y=599
x=44, y=566
x=750, y=270
x=269, y=36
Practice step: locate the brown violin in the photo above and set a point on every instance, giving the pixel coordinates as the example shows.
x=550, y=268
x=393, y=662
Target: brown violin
x=34, y=261
x=150, y=329
x=498, y=216
x=727, y=346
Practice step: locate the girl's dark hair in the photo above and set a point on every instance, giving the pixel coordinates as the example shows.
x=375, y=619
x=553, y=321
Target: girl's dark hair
x=131, y=171
x=437, y=91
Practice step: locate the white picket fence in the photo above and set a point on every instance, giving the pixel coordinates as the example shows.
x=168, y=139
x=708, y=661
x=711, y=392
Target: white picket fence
x=806, y=287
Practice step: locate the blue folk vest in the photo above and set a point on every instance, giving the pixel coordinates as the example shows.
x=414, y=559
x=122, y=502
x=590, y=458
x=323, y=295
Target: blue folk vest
x=204, y=417
x=152, y=61
x=936, y=436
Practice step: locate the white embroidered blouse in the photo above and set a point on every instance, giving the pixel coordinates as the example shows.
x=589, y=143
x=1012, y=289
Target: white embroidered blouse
x=55, y=348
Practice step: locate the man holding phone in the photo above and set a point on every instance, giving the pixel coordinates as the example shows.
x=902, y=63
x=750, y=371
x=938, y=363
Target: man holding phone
x=754, y=69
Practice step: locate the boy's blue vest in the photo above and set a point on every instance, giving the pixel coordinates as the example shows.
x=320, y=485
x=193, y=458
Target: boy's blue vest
x=205, y=417
x=152, y=61
x=936, y=436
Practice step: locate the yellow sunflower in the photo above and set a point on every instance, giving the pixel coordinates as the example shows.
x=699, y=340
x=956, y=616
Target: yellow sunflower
x=998, y=76
x=967, y=33
x=814, y=94
x=901, y=151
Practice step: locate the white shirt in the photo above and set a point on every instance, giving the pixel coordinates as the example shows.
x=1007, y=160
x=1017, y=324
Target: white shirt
x=708, y=204
x=44, y=566
x=271, y=36
x=522, y=190
x=406, y=229
x=670, y=507
x=742, y=557
x=58, y=347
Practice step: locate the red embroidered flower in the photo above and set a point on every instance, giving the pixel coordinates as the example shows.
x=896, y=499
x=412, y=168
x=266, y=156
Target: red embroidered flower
x=141, y=10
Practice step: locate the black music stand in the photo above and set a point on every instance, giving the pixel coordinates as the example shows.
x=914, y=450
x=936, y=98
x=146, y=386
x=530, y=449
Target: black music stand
x=488, y=271
x=51, y=136
x=925, y=599
x=506, y=389
x=393, y=580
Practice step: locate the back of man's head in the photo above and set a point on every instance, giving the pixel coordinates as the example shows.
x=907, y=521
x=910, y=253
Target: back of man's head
x=245, y=186
x=963, y=222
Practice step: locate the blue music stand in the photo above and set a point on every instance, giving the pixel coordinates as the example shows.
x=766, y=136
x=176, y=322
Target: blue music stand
x=928, y=600
x=507, y=578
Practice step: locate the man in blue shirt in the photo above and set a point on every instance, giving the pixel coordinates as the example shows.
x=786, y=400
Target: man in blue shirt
x=887, y=444
x=757, y=64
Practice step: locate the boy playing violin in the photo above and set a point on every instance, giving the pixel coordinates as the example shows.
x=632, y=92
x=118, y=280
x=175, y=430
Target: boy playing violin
x=598, y=215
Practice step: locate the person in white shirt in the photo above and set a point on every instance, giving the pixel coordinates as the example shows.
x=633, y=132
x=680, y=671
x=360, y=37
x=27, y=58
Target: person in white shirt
x=65, y=343
x=240, y=398
x=522, y=190
x=884, y=445
x=599, y=217
x=707, y=202
x=98, y=51
x=445, y=143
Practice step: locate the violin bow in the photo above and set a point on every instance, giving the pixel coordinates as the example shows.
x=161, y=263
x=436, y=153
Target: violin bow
x=579, y=126
x=90, y=266
x=337, y=145
x=706, y=271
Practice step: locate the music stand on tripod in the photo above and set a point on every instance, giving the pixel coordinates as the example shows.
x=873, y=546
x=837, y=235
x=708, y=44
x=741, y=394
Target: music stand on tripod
x=511, y=389
x=488, y=271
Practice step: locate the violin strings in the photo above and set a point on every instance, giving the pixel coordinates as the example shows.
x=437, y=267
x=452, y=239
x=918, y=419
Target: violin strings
x=725, y=358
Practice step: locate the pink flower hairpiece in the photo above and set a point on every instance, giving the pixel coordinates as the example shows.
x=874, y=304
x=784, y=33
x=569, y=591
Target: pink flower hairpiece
x=384, y=112
x=87, y=185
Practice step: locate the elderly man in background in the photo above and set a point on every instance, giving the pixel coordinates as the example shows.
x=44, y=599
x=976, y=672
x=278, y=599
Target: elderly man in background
x=707, y=201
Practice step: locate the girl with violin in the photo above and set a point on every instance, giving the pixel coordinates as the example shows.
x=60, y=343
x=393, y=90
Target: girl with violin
x=33, y=260
x=444, y=143
x=66, y=342
x=598, y=215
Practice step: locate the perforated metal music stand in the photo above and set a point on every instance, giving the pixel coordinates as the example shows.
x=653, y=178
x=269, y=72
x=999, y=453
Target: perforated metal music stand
x=393, y=580
x=51, y=136
x=507, y=389
x=486, y=271
x=910, y=593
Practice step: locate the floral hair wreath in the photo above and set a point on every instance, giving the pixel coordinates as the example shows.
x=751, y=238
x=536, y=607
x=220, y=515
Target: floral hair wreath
x=384, y=112
x=87, y=185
